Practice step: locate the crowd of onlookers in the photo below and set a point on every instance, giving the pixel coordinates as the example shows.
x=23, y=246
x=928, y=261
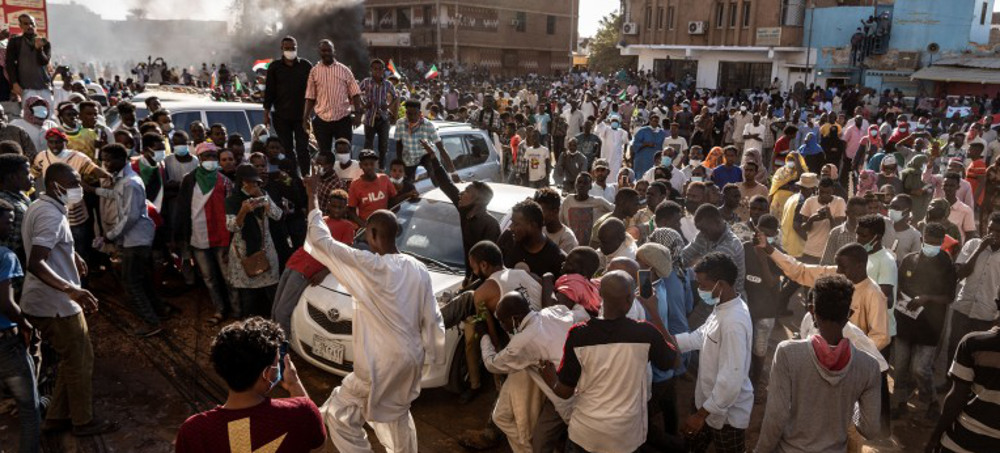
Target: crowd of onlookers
x=666, y=220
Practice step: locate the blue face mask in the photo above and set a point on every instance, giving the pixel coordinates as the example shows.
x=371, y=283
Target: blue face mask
x=930, y=251
x=707, y=297
x=772, y=240
x=271, y=168
x=40, y=111
x=666, y=161
x=281, y=156
x=615, y=125
x=870, y=246
x=181, y=150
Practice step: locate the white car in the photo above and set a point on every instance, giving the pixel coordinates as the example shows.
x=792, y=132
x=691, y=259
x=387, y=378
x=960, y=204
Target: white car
x=430, y=231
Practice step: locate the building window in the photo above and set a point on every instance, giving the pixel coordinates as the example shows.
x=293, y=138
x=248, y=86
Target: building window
x=793, y=13
x=649, y=17
x=428, y=16
x=732, y=15
x=403, y=18
x=720, y=15
x=659, y=17
x=746, y=14
x=740, y=75
x=521, y=21
x=982, y=15
x=670, y=17
x=550, y=25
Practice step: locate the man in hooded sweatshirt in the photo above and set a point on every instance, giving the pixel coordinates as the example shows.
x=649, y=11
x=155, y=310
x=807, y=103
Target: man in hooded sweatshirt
x=816, y=381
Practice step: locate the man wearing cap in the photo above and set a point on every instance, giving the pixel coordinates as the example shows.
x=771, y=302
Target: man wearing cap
x=200, y=223
x=740, y=121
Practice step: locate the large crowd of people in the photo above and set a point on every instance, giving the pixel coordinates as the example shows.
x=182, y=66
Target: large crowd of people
x=673, y=231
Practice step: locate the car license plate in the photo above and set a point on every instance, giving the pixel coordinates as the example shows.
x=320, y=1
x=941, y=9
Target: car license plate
x=328, y=349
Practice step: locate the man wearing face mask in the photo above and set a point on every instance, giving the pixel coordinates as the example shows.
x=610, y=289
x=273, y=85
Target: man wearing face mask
x=247, y=355
x=76, y=209
x=927, y=282
x=907, y=238
x=647, y=141
x=54, y=302
x=723, y=392
x=34, y=121
x=285, y=93
x=149, y=166
x=133, y=231
x=614, y=139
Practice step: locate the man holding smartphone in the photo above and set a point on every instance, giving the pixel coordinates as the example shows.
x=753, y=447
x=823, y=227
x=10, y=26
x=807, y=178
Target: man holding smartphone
x=27, y=57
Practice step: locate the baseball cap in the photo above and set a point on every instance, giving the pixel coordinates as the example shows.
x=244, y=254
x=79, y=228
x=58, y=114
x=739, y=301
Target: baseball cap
x=367, y=154
x=601, y=163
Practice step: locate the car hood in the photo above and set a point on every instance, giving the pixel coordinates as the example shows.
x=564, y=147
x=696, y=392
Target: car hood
x=332, y=295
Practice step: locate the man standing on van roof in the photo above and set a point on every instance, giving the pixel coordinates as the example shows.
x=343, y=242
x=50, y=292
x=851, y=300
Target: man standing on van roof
x=285, y=92
x=331, y=92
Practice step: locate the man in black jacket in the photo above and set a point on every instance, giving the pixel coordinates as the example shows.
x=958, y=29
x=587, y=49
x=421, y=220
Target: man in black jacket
x=285, y=92
x=27, y=56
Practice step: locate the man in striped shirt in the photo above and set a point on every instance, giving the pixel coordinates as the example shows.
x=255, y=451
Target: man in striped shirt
x=381, y=108
x=331, y=92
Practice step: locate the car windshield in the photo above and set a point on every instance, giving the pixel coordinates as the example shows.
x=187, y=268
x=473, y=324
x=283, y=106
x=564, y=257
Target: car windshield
x=430, y=229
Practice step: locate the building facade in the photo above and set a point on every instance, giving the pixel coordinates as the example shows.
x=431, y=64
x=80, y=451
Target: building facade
x=907, y=35
x=720, y=44
x=511, y=37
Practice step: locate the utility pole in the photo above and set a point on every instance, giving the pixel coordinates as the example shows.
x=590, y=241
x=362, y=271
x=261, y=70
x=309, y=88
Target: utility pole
x=455, y=17
x=812, y=17
x=437, y=19
x=572, y=31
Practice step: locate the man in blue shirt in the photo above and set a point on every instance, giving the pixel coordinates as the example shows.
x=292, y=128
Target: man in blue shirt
x=729, y=172
x=648, y=140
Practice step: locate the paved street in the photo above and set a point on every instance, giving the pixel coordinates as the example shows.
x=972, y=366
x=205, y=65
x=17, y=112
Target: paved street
x=152, y=385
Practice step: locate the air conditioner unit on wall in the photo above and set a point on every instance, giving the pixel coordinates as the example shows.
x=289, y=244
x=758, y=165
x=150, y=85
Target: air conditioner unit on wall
x=696, y=27
x=630, y=28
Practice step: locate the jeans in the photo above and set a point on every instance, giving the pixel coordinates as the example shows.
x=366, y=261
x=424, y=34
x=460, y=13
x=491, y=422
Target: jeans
x=380, y=128
x=137, y=278
x=663, y=404
x=73, y=397
x=17, y=374
x=293, y=137
x=328, y=131
x=913, y=362
x=211, y=263
x=762, y=336
x=291, y=285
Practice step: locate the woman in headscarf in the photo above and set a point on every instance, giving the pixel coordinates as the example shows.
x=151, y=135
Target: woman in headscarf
x=867, y=182
x=753, y=155
x=715, y=158
x=870, y=146
x=915, y=187
x=812, y=152
x=35, y=121
x=900, y=134
x=831, y=171
x=783, y=183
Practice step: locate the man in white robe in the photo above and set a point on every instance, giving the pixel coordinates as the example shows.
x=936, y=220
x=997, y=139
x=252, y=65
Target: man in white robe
x=397, y=328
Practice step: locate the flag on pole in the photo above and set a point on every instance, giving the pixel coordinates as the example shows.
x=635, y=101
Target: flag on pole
x=238, y=86
x=261, y=65
x=432, y=73
x=215, y=79
x=392, y=69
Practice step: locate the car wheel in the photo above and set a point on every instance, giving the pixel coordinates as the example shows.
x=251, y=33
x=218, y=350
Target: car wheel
x=458, y=375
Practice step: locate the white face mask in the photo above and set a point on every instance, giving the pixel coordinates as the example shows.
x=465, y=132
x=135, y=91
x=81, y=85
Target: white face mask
x=396, y=181
x=72, y=196
x=695, y=162
x=159, y=156
x=344, y=158
x=290, y=54
x=210, y=165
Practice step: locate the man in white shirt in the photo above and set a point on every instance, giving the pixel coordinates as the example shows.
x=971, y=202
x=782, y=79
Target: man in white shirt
x=347, y=169
x=723, y=392
x=753, y=134
x=674, y=140
x=613, y=141
x=399, y=328
x=534, y=336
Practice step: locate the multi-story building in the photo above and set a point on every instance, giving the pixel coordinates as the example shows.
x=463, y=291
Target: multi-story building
x=720, y=44
x=511, y=37
x=908, y=35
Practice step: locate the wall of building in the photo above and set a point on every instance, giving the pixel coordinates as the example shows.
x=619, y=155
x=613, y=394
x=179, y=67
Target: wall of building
x=784, y=64
x=653, y=20
x=953, y=24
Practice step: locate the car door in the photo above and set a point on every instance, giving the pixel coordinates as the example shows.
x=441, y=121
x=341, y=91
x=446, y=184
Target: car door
x=482, y=163
x=182, y=120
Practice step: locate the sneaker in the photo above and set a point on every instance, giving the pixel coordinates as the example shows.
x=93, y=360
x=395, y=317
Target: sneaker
x=147, y=332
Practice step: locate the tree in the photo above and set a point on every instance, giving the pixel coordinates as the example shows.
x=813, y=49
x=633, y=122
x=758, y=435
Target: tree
x=605, y=56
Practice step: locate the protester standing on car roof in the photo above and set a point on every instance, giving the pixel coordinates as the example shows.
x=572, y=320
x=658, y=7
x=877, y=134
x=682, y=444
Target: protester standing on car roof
x=27, y=57
x=331, y=91
x=410, y=132
x=398, y=328
x=285, y=93
x=381, y=108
